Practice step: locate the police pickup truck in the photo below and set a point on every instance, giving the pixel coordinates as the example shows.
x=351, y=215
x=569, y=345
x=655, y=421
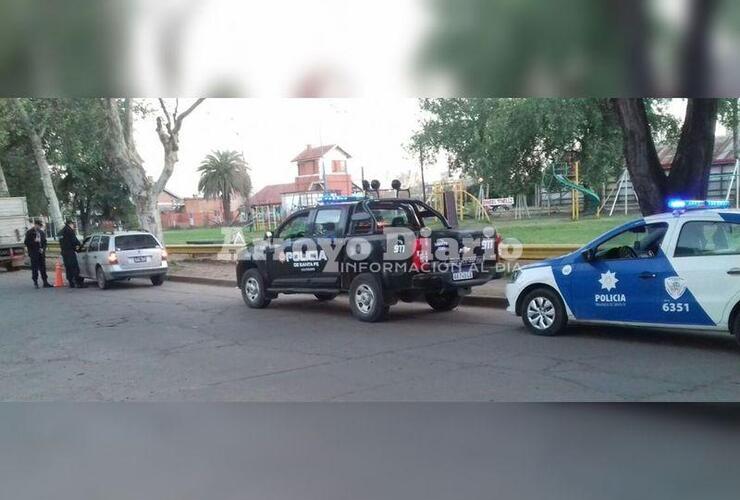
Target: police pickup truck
x=674, y=270
x=379, y=251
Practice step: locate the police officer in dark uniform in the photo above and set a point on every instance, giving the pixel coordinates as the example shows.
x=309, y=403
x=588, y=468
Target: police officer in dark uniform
x=36, y=245
x=69, y=244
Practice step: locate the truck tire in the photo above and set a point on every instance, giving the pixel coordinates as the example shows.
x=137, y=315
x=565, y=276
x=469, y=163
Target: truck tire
x=445, y=301
x=325, y=296
x=366, y=298
x=157, y=280
x=253, y=290
x=103, y=283
x=543, y=312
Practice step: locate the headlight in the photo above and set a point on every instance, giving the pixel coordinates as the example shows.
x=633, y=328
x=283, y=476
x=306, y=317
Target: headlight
x=515, y=275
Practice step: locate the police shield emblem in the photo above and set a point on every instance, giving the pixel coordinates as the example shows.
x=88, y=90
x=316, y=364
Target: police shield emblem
x=675, y=287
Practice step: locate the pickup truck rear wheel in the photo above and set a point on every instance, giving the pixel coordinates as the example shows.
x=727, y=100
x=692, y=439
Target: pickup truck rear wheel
x=445, y=301
x=543, y=312
x=324, y=296
x=253, y=290
x=366, y=298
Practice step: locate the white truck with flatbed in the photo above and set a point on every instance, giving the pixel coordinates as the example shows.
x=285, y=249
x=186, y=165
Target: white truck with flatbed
x=13, y=226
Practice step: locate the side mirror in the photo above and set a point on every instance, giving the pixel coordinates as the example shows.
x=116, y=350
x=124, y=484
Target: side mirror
x=589, y=255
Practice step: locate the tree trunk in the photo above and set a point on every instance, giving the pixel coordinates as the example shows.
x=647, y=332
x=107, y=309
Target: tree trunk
x=644, y=167
x=227, y=209
x=691, y=166
x=4, y=192
x=122, y=154
x=37, y=147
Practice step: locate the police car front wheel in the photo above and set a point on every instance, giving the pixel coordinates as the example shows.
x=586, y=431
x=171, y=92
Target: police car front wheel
x=253, y=290
x=543, y=312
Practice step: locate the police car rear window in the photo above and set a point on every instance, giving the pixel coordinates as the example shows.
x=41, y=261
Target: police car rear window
x=136, y=242
x=706, y=238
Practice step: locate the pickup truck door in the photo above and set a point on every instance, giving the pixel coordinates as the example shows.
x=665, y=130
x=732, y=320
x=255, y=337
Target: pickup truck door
x=327, y=231
x=289, y=266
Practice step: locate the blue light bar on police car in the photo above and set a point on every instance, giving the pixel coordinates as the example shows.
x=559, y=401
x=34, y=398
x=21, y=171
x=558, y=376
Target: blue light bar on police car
x=697, y=204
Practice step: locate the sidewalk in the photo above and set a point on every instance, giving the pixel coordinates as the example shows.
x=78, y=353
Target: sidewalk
x=219, y=273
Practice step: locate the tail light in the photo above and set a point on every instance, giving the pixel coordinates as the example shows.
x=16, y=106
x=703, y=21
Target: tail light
x=420, y=257
x=112, y=258
x=164, y=254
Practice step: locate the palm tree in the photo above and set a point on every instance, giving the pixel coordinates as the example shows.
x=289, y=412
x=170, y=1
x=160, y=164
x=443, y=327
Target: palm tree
x=223, y=174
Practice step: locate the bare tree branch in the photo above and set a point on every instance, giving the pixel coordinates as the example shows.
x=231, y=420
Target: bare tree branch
x=167, y=115
x=178, y=122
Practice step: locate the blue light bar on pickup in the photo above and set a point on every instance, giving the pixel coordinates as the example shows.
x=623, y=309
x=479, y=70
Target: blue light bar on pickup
x=697, y=204
x=336, y=198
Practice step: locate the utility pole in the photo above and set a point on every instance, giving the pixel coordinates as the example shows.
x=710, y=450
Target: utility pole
x=423, y=184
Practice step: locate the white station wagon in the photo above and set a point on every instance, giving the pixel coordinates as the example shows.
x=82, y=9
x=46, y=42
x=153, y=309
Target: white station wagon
x=107, y=257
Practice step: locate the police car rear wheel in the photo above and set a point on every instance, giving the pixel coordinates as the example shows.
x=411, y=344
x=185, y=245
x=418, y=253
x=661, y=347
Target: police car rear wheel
x=325, y=296
x=736, y=327
x=446, y=301
x=543, y=312
x=253, y=290
x=366, y=299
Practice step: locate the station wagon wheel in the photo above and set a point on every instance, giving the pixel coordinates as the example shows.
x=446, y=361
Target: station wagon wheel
x=366, y=298
x=736, y=327
x=253, y=290
x=100, y=278
x=543, y=312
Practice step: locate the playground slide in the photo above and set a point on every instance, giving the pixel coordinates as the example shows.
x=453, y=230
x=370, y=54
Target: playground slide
x=572, y=185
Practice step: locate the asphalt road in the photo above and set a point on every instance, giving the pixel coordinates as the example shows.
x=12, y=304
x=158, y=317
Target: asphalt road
x=196, y=342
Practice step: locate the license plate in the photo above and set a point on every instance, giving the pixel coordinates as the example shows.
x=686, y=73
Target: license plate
x=139, y=260
x=462, y=275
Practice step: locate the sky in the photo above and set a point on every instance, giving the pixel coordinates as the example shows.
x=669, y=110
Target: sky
x=271, y=132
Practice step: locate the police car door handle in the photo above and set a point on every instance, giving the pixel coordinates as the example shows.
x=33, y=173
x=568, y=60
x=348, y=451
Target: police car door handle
x=734, y=270
x=647, y=276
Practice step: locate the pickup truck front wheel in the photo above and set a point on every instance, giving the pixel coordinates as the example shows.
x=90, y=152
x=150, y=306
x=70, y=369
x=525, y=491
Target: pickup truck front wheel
x=253, y=290
x=366, y=298
x=445, y=301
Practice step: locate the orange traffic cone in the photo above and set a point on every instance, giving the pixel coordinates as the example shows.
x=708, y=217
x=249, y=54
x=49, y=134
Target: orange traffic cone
x=58, y=279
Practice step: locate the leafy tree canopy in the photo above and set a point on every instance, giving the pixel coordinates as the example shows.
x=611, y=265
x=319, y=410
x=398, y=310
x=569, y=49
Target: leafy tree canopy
x=510, y=143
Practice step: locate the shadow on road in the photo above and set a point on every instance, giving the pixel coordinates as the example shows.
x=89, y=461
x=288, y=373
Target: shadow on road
x=704, y=340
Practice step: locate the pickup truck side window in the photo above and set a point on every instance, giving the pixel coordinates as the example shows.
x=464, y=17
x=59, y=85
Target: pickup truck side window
x=327, y=223
x=395, y=216
x=641, y=242
x=294, y=228
x=705, y=238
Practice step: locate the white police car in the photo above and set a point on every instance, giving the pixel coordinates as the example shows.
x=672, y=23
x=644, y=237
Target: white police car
x=674, y=270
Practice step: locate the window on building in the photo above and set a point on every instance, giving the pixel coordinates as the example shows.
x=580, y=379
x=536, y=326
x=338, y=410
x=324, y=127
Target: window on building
x=337, y=166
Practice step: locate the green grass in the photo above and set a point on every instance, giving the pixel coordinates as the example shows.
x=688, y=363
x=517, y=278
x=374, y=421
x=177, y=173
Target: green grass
x=556, y=230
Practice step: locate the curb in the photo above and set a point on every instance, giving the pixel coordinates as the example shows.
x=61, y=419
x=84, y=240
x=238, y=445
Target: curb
x=468, y=300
